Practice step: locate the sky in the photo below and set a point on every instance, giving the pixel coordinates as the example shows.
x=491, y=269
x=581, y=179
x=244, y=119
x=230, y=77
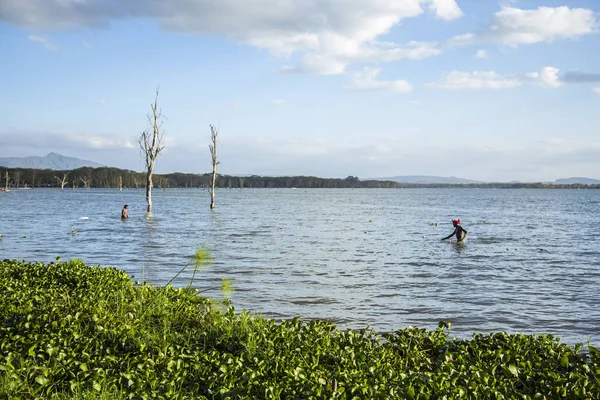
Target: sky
x=480, y=89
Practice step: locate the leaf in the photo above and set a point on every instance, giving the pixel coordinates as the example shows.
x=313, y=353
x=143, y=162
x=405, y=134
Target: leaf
x=513, y=369
x=564, y=361
x=42, y=380
x=170, y=365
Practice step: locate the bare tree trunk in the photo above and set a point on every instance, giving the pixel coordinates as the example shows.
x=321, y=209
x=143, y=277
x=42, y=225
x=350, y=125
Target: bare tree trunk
x=6, y=180
x=63, y=182
x=120, y=183
x=213, y=153
x=86, y=182
x=150, y=145
x=149, y=186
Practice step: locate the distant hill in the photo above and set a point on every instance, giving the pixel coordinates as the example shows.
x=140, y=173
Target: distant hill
x=51, y=161
x=583, y=181
x=426, y=179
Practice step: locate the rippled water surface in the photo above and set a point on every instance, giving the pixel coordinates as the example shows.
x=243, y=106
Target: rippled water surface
x=531, y=263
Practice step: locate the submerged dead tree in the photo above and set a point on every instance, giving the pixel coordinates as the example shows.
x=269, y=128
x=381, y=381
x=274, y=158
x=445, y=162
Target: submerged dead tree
x=86, y=182
x=150, y=140
x=6, y=180
x=62, y=181
x=213, y=153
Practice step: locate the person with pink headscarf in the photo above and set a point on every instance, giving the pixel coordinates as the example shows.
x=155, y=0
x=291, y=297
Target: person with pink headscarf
x=459, y=231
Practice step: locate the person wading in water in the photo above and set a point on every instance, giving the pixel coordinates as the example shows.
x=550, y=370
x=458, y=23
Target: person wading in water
x=459, y=231
x=124, y=213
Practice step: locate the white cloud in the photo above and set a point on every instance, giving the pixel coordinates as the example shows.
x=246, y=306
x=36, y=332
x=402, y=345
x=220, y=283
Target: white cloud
x=514, y=26
x=367, y=80
x=477, y=80
x=66, y=140
x=446, y=9
x=278, y=102
x=43, y=41
x=457, y=80
x=327, y=35
x=547, y=77
x=102, y=142
x=335, y=62
x=481, y=54
x=597, y=90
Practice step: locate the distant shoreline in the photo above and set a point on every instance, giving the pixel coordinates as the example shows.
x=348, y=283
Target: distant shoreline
x=107, y=177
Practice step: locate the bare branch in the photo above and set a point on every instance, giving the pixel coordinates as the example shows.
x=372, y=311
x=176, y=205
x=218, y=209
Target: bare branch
x=62, y=181
x=150, y=143
x=86, y=181
x=214, y=132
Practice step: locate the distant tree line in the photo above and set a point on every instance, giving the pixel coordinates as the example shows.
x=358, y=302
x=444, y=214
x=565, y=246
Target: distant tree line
x=107, y=177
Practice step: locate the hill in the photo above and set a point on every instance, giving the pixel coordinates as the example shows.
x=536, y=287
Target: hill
x=51, y=161
x=573, y=180
x=426, y=179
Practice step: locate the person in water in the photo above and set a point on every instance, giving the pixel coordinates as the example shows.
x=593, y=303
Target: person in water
x=459, y=231
x=125, y=213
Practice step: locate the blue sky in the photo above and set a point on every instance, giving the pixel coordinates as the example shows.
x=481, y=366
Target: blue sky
x=488, y=90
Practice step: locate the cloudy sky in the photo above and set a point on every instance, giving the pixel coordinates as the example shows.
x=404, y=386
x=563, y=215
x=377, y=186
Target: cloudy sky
x=489, y=90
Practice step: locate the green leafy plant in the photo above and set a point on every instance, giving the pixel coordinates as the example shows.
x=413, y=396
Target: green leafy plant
x=68, y=330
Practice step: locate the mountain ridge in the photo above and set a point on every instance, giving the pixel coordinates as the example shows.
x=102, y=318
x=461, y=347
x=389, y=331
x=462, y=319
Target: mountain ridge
x=577, y=179
x=52, y=161
x=426, y=179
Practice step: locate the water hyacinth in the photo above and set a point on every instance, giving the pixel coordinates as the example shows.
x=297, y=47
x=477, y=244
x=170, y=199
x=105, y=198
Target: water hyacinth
x=68, y=330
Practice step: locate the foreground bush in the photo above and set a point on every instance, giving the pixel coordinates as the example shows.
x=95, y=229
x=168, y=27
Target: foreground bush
x=72, y=331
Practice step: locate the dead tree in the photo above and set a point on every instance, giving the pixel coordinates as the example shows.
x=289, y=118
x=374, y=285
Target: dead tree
x=213, y=154
x=17, y=176
x=6, y=180
x=150, y=140
x=62, y=181
x=120, y=183
x=86, y=182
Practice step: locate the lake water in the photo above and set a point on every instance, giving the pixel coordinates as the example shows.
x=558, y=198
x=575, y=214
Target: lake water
x=531, y=263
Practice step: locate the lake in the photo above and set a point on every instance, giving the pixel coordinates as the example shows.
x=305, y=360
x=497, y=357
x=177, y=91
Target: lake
x=363, y=257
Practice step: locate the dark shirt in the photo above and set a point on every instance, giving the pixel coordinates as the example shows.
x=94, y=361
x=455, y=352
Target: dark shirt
x=460, y=233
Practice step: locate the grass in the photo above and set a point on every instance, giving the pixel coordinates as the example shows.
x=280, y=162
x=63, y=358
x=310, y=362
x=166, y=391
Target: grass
x=70, y=331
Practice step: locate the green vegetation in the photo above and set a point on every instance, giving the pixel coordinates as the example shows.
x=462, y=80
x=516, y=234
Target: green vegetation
x=72, y=331
x=107, y=177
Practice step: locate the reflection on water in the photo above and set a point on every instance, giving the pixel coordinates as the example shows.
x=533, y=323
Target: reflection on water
x=356, y=257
